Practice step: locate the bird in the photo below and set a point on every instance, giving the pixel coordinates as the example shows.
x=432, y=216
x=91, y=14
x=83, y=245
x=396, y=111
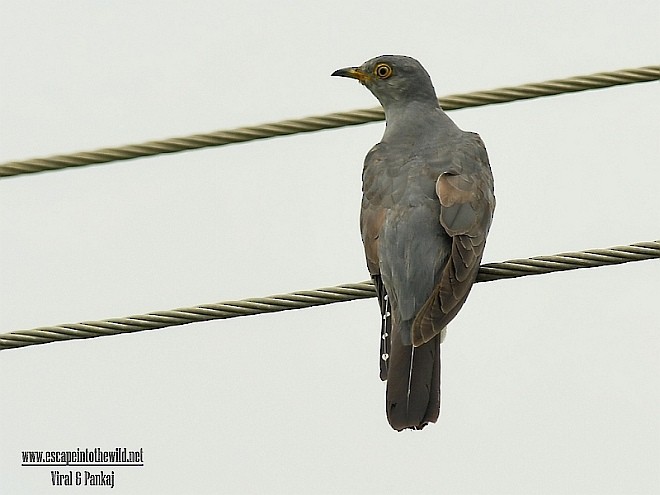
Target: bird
x=427, y=205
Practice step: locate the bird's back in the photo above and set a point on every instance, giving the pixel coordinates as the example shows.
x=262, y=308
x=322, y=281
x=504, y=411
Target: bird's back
x=408, y=246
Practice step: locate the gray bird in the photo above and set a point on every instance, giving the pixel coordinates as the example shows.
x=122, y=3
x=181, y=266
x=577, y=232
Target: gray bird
x=427, y=205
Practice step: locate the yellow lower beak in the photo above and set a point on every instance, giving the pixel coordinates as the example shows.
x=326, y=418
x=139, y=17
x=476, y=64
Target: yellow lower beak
x=352, y=72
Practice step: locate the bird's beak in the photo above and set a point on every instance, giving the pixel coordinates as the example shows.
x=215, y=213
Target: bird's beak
x=352, y=72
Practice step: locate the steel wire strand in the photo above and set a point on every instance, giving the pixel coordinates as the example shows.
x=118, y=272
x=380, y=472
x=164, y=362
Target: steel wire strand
x=303, y=299
x=329, y=121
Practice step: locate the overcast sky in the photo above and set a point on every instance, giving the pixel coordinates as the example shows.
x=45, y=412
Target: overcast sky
x=550, y=384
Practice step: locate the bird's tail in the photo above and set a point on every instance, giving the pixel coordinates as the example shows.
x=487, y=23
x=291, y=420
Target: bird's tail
x=413, y=381
x=385, y=326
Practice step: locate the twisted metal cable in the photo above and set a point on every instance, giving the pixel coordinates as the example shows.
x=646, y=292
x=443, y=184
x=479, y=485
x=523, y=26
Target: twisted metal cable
x=328, y=295
x=329, y=121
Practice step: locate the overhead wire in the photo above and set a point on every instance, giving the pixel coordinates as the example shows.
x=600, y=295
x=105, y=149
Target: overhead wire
x=328, y=295
x=329, y=121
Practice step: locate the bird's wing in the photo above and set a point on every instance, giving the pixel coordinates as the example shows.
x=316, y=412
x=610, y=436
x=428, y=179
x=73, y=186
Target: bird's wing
x=467, y=203
x=372, y=216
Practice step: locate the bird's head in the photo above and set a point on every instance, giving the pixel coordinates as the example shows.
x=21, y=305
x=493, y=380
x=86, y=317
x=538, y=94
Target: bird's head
x=393, y=79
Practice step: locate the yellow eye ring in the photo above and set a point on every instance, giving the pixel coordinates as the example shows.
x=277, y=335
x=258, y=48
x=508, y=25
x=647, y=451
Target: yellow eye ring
x=383, y=71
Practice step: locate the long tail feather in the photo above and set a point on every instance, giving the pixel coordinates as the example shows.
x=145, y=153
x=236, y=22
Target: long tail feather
x=413, y=383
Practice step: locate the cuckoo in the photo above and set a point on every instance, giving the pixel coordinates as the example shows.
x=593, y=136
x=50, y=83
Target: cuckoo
x=427, y=205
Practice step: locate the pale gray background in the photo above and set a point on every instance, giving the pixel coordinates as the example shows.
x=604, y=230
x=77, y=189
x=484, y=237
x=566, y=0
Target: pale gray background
x=550, y=383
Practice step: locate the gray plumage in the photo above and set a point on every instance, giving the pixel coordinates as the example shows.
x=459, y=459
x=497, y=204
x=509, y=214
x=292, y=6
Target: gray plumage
x=427, y=206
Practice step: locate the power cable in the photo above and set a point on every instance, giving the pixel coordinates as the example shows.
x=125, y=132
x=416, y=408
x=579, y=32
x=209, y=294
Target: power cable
x=328, y=295
x=329, y=121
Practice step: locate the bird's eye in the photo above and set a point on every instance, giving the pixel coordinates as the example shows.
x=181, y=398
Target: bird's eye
x=383, y=71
